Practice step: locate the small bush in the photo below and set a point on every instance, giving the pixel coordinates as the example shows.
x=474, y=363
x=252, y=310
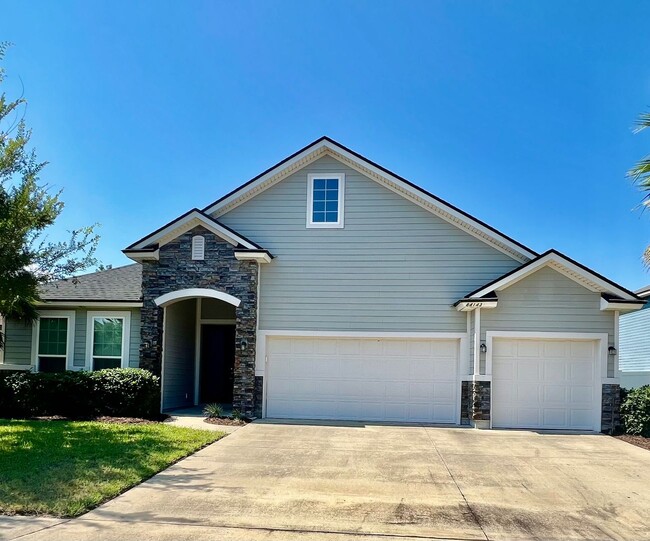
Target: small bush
x=213, y=411
x=120, y=392
x=237, y=415
x=635, y=411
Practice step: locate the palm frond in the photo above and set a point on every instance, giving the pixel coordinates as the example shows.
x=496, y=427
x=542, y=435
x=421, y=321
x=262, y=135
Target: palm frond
x=642, y=122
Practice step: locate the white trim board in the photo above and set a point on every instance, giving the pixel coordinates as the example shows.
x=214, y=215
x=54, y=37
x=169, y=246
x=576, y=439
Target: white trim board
x=183, y=294
x=183, y=224
x=324, y=147
x=562, y=265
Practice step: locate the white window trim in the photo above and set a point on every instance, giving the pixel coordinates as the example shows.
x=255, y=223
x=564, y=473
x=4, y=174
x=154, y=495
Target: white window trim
x=69, y=354
x=310, y=201
x=90, y=333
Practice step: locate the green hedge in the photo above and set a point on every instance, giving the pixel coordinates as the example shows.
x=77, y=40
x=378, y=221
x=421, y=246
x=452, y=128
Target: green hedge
x=119, y=392
x=635, y=411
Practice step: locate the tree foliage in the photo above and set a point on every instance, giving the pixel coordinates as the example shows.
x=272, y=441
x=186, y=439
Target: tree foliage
x=28, y=258
x=640, y=173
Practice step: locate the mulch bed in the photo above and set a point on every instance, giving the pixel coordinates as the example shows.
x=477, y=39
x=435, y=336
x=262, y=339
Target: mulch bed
x=103, y=419
x=639, y=441
x=226, y=421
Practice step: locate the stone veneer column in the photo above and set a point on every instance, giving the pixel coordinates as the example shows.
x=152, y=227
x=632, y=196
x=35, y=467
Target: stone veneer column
x=610, y=419
x=220, y=271
x=481, y=392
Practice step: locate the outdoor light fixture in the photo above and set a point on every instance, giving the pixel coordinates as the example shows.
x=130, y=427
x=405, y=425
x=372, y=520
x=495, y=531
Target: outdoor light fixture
x=612, y=350
x=483, y=348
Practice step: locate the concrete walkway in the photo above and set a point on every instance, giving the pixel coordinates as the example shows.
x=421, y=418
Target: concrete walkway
x=194, y=418
x=353, y=482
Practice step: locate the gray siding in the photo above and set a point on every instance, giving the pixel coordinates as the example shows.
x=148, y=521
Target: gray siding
x=393, y=267
x=19, y=340
x=634, y=341
x=18, y=343
x=178, y=355
x=548, y=301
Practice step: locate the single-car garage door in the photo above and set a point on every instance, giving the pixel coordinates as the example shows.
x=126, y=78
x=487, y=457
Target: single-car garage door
x=548, y=384
x=367, y=379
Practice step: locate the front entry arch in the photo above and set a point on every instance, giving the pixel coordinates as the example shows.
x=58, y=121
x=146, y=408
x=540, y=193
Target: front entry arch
x=195, y=292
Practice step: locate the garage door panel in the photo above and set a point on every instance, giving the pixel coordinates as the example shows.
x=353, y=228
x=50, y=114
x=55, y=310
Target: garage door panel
x=549, y=384
x=363, y=379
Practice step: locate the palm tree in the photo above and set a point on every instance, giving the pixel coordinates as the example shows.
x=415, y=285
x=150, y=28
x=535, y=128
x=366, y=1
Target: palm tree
x=640, y=174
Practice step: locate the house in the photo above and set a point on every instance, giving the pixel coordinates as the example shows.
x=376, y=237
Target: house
x=328, y=287
x=634, y=363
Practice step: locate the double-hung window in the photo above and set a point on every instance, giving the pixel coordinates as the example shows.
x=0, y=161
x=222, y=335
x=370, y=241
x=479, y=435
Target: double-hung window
x=325, y=200
x=54, y=341
x=108, y=340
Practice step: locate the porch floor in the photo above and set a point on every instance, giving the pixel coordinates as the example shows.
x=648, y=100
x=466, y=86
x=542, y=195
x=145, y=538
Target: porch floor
x=193, y=416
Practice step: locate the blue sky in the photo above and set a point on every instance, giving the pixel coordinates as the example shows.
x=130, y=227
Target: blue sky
x=518, y=112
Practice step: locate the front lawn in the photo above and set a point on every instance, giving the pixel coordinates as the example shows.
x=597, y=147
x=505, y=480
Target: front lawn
x=65, y=468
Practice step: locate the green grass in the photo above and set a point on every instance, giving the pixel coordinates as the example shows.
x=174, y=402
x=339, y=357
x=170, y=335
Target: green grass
x=65, y=468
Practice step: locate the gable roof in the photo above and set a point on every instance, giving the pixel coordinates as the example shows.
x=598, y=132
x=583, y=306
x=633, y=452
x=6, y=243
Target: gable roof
x=185, y=222
x=121, y=284
x=643, y=292
x=327, y=146
x=572, y=269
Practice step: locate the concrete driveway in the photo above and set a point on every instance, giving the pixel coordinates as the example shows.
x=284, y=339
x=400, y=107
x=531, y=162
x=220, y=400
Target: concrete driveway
x=342, y=483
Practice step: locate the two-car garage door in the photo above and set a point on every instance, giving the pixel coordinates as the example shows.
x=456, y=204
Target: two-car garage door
x=370, y=379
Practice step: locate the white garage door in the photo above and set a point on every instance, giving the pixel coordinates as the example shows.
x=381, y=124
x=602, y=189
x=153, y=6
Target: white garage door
x=544, y=384
x=362, y=379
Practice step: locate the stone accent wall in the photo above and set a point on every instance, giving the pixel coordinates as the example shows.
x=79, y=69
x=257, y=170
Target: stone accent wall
x=480, y=401
x=465, y=402
x=219, y=271
x=259, y=393
x=610, y=419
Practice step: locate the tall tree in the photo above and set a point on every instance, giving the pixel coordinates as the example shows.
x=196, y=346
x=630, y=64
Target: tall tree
x=640, y=174
x=28, y=208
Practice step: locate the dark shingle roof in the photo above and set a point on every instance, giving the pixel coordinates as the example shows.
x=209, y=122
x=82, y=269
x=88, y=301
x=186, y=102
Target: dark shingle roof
x=119, y=284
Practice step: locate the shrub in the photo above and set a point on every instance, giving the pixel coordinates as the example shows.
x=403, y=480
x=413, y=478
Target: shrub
x=212, y=411
x=237, y=415
x=122, y=392
x=126, y=392
x=635, y=411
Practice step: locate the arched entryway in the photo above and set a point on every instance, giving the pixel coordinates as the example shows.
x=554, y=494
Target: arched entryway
x=199, y=347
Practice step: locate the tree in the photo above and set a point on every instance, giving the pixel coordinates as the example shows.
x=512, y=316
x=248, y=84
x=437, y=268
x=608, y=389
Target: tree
x=28, y=258
x=640, y=174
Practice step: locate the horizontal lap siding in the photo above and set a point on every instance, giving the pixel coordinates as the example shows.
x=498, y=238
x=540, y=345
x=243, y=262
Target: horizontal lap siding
x=393, y=267
x=634, y=341
x=19, y=339
x=18, y=343
x=178, y=353
x=547, y=301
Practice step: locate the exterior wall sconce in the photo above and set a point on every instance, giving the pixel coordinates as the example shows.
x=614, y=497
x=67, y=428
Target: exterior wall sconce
x=244, y=345
x=612, y=350
x=483, y=347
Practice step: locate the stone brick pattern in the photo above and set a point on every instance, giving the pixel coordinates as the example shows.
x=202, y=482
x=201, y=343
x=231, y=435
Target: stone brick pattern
x=465, y=402
x=259, y=392
x=481, y=400
x=610, y=419
x=219, y=271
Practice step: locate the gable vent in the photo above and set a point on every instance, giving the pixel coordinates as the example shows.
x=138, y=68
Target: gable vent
x=198, y=248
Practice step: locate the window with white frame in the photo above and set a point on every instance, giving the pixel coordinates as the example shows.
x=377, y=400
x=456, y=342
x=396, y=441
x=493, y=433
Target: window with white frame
x=108, y=340
x=54, y=341
x=325, y=200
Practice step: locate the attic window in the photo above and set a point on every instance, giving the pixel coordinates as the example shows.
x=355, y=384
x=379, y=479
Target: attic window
x=198, y=248
x=325, y=200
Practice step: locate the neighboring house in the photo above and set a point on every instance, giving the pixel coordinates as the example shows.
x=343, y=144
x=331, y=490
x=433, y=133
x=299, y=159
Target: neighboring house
x=328, y=287
x=634, y=354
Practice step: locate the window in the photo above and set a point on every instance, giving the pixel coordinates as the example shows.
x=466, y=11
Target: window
x=198, y=248
x=108, y=340
x=325, y=205
x=54, y=336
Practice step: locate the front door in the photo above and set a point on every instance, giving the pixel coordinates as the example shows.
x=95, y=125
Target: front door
x=217, y=363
